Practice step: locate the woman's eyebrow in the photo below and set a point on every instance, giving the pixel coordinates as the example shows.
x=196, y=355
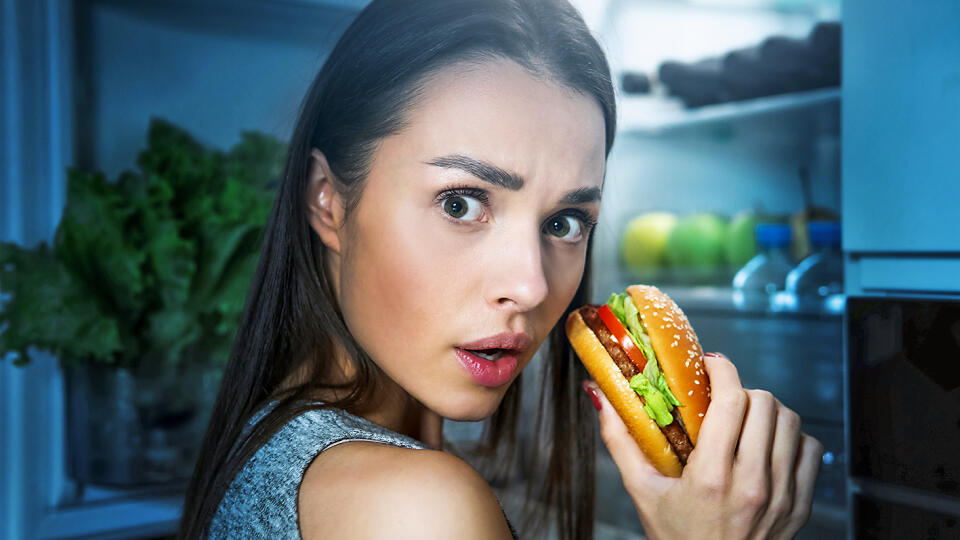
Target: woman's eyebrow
x=489, y=172
x=481, y=169
x=582, y=195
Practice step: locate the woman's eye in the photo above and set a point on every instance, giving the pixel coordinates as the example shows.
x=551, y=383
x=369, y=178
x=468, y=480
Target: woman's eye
x=462, y=207
x=565, y=227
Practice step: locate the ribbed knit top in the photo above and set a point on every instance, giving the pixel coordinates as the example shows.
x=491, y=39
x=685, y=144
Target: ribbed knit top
x=261, y=501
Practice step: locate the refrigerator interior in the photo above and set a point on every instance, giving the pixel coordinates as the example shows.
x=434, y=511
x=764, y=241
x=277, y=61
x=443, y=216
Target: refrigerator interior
x=719, y=158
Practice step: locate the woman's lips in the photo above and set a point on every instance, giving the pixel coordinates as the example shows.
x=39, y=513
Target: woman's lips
x=491, y=373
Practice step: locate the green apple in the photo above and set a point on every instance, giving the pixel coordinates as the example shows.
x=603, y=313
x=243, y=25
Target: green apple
x=644, y=241
x=697, y=241
x=741, y=242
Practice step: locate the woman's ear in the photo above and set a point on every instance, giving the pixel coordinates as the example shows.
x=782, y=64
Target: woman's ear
x=323, y=202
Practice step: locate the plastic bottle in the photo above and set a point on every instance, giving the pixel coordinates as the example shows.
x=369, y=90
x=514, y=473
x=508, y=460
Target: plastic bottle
x=764, y=276
x=816, y=284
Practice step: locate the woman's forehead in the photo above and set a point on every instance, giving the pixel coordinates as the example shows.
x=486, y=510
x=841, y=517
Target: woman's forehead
x=500, y=113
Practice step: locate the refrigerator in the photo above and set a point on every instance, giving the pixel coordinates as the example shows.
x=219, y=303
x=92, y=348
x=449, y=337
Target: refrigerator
x=877, y=381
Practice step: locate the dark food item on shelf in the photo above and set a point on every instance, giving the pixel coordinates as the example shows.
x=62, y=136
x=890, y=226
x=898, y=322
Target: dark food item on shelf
x=778, y=65
x=696, y=84
x=825, y=40
x=635, y=83
x=795, y=58
x=747, y=76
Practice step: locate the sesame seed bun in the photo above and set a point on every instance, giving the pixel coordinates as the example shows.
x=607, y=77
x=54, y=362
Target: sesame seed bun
x=678, y=352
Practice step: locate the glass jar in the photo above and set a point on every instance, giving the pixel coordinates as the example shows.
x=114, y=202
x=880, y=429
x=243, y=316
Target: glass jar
x=137, y=426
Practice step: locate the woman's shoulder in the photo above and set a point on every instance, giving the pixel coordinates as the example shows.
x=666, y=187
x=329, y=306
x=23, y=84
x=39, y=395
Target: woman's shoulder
x=367, y=489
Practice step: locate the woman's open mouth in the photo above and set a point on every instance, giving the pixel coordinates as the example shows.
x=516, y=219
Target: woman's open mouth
x=489, y=367
x=490, y=354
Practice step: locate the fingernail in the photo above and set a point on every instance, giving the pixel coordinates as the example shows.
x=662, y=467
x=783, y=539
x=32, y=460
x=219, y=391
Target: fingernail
x=592, y=392
x=713, y=354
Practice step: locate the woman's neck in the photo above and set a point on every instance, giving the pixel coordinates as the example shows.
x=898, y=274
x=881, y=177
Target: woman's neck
x=393, y=408
x=400, y=412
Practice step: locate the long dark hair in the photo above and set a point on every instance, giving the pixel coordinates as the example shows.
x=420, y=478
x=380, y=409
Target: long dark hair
x=374, y=74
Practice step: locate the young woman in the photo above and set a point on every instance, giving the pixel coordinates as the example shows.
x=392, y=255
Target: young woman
x=439, y=196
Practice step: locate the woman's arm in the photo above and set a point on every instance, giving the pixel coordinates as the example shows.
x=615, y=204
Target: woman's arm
x=751, y=474
x=371, y=490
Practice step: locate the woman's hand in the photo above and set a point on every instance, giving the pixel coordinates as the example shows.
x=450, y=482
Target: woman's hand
x=751, y=474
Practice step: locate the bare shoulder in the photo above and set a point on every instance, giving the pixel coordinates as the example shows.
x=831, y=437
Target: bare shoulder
x=372, y=490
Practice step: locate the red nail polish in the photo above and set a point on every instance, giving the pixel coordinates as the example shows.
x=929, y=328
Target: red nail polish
x=713, y=354
x=592, y=393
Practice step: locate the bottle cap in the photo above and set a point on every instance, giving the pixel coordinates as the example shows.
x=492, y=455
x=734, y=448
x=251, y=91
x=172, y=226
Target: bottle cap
x=824, y=233
x=772, y=235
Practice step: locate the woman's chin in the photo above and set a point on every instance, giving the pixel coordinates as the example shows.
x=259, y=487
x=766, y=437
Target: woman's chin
x=474, y=408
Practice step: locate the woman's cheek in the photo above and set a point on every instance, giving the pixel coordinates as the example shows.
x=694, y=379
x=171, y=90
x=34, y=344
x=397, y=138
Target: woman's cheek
x=412, y=274
x=567, y=266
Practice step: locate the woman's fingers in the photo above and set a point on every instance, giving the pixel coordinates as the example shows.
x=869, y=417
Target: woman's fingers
x=751, y=469
x=756, y=438
x=721, y=426
x=751, y=474
x=634, y=467
x=783, y=462
x=809, y=457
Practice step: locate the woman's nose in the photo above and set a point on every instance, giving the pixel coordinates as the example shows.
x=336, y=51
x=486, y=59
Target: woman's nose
x=516, y=278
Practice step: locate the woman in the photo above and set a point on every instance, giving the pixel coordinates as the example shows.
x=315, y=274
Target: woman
x=439, y=196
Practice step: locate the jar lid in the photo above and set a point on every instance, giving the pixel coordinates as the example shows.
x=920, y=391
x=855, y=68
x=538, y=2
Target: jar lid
x=824, y=233
x=773, y=235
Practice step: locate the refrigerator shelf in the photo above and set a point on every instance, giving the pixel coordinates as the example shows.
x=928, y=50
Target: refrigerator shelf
x=719, y=299
x=655, y=115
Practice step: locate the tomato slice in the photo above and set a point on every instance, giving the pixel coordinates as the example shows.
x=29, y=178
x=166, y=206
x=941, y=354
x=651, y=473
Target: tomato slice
x=622, y=336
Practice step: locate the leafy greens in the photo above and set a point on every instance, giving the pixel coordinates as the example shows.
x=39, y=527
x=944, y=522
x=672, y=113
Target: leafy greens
x=156, y=263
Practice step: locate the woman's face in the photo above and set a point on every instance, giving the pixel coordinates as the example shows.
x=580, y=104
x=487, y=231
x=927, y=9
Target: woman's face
x=473, y=223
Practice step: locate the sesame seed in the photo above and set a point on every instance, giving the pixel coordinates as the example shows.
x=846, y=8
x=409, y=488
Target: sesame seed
x=696, y=381
x=700, y=415
x=690, y=393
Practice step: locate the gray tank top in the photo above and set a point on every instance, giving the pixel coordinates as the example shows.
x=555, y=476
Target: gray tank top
x=261, y=501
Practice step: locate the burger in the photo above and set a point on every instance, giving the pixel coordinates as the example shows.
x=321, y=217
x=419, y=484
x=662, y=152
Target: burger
x=641, y=350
